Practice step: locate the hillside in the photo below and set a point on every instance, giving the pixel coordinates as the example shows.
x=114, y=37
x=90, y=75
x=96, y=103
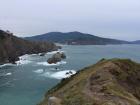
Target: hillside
x=75, y=38
x=136, y=42
x=11, y=47
x=109, y=82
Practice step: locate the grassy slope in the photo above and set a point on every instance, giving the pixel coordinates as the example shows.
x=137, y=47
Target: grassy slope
x=109, y=82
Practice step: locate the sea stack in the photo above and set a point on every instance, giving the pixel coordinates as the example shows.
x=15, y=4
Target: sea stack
x=56, y=57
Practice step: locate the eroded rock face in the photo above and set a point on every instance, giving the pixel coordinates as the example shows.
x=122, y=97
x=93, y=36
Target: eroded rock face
x=11, y=47
x=56, y=57
x=109, y=82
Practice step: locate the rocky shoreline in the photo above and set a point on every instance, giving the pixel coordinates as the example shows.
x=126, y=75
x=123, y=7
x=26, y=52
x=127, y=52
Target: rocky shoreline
x=12, y=47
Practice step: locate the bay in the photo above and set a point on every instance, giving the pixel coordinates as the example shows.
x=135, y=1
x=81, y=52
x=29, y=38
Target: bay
x=27, y=82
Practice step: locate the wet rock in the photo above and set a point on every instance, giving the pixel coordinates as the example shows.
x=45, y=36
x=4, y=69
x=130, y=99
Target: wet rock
x=56, y=58
x=42, y=54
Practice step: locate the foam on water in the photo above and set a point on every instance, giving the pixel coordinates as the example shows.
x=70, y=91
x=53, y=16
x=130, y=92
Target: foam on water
x=63, y=74
x=7, y=64
x=7, y=74
x=23, y=57
x=39, y=71
x=60, y=74
x=34, y=54
x=53, y=64
x=54, y=52
x=24, y=60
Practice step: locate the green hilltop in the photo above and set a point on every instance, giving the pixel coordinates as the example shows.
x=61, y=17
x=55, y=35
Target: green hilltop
x=109, y=82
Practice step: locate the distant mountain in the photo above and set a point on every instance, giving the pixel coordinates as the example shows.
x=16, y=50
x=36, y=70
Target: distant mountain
x=109, y=82
x=75, y=38
x=11, y=47
x=136, y=42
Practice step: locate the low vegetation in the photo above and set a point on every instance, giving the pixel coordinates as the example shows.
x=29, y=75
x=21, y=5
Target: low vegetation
x=109, y=82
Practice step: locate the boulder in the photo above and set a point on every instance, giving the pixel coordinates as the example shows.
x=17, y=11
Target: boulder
x=42, y=54
x=56, y=58
x=53, y=60
x=63, y=56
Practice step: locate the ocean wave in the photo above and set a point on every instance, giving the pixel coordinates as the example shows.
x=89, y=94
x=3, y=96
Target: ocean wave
x=54, y=52
x=23, y=57
x=7, y=74
x=39, y=71
x=7, y=64
x=23, y=60
x=60, y=74
x=53, y=64
x=33, y=54
x=8, y=83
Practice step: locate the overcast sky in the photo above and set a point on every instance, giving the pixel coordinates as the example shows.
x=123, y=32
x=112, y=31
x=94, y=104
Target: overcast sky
x=118, y=19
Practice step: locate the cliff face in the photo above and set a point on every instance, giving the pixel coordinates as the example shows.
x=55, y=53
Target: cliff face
x=11, y=47
x=109, y=82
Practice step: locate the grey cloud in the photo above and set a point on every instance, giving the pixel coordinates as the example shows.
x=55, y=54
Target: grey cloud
x=107, y=18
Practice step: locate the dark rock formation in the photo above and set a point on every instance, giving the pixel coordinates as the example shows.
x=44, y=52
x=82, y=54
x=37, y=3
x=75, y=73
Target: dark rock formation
x=56, y=58
x=109, y=82
x=42, y=54
x=11, y=47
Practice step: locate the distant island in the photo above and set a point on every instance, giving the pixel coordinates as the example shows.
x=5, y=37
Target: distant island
x=136, y=42
x=109, y=82
x=11, y=47
x=76, y=38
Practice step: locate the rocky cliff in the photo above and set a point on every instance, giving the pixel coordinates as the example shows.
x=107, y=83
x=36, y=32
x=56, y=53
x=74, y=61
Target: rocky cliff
x=109, y=82
x=11, y=47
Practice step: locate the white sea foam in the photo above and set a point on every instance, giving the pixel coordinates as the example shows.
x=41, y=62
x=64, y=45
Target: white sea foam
x=7, y=64
x=24, y=60
x=39, y=71
x=23, y=57
x=60, y=74
x=7, y=74
x=53, y=64
x=21, y=62
x=63, y=74
x=54, y=52
x=34, y=54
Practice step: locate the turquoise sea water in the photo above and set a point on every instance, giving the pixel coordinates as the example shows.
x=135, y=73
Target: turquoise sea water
x=26, y=84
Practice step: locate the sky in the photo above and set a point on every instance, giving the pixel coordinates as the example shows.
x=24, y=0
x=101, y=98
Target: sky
x=119, y=19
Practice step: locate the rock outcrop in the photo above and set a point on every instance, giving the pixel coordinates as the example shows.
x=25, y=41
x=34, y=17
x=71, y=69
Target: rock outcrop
x=56, y=57
x=11, y=47
x=109, y=82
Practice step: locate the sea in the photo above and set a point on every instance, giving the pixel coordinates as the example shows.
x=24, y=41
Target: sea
x=26, y=82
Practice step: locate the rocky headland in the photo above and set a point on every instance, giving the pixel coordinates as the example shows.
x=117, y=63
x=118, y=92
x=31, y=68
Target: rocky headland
x=11, y=47
x=109, y=82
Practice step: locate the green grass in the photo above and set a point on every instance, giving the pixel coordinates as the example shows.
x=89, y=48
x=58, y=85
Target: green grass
x=71, y=90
